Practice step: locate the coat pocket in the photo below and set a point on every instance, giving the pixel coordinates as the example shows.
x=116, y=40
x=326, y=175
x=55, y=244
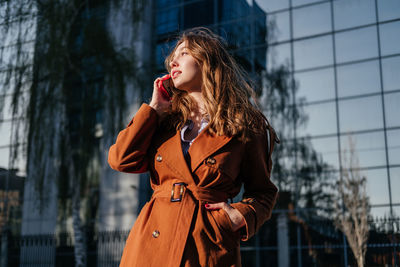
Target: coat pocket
x=229, y=237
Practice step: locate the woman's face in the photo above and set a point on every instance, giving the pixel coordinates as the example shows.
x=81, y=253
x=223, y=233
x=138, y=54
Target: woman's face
x=185, y=71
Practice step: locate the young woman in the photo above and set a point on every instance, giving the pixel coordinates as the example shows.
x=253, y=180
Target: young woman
x=199, y=147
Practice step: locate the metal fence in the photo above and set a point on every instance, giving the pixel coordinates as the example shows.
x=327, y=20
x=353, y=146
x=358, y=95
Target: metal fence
x=283, y=241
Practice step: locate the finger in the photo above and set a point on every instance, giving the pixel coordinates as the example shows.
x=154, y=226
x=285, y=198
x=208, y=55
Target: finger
x=215, y=206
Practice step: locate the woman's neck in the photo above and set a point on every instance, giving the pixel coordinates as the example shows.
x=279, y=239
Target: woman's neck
x=199, y=109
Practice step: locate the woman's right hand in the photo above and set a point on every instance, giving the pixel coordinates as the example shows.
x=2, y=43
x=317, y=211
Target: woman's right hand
x=158, y=102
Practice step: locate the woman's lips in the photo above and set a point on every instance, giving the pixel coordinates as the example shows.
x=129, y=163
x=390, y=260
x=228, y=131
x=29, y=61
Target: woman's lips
x=175, y=74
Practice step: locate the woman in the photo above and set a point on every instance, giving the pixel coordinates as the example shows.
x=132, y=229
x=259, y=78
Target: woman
x=199, y=147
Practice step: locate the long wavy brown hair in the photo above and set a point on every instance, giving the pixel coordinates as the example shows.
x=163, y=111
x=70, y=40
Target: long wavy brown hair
x=225, y=90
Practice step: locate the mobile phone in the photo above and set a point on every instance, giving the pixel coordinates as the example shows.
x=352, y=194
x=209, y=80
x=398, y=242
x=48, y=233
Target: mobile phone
x=166, y=87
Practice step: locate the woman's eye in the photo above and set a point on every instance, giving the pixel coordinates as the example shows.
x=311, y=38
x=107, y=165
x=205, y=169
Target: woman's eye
x=184, y=53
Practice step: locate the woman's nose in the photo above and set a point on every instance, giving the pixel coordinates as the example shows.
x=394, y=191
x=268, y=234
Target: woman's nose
x=173, y=63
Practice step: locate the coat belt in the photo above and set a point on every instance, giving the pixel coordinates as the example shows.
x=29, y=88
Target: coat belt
x=177, y=192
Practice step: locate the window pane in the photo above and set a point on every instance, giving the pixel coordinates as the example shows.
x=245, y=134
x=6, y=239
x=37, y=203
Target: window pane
x=393, y=139
x=4, y=156
x=162, y=51
x=328, y=148
x=377, y=186
x=356, y=44
x=360, y=114
x=303, y=2
x=370, y=148
x=311, y=20
x=321, y=119
x=389, y=9
x=5, y=132
x=356, y=79
x=390, y=38
x=395, y=185
x=260, y=28
x=278, y=55
x=201, y=13
x=353, y=13
x=166, y=3
x=278, y=24
x=272, y=5
x=316, y=85
x=167, y=20
x=380, y=212
x=391, y=73
x=313, y=52
x=392, y=109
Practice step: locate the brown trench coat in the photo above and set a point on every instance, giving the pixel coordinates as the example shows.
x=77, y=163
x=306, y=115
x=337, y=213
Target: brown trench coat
x=182, y=232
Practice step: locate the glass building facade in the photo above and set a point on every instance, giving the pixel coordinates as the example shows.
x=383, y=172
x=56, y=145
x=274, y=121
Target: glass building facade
x=343, y=60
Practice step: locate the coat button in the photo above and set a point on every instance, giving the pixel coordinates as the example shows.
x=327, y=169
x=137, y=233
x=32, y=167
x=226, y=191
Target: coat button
x=159, y=158
x=211, y=161
x=156, y=233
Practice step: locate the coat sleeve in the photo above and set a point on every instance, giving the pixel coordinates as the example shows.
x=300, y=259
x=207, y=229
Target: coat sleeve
x=129, y=153
x=259, y=192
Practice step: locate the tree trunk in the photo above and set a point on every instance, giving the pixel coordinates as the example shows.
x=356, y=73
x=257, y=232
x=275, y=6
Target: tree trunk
x=79, y=234
x=360, y=261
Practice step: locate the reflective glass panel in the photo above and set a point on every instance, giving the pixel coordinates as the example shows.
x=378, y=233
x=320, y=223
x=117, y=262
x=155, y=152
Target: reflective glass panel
x=395, y=185
x=316, y=85
x=303, y=2
x=328, y=149
x=369, y=148
x=202, y=12
x=7, y=111
x=393, y=139
x=396, y=210
x=5, y=132
x=166, y=3
x=167, y=20
x=278, y=55
x=353, y=13
x=380, y=212
x=272, y=5
x=392, y=109
x=391, y=73
x=357, y=79
x=356, y=44
x=360, y=114
x=390, y=38
x=388, y=9
x=4, y=156
x=162, y=51
x=278, y=27
x=311, y=20
x=321, y=119
x=313, y=52
x=377, y=185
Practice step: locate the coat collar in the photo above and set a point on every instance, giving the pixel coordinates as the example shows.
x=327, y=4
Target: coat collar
x=202, y=147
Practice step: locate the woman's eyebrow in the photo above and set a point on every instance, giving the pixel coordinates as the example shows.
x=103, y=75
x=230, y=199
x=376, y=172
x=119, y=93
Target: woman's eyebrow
x=177, y=51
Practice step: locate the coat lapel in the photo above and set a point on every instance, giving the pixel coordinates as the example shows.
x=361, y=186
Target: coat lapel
x=204, y=146
x=171, y=151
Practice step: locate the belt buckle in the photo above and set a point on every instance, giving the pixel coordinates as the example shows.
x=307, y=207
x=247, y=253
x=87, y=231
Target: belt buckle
x=181, y=189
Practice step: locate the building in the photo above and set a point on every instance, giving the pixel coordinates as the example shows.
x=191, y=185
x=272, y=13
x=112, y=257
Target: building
x=344, y=60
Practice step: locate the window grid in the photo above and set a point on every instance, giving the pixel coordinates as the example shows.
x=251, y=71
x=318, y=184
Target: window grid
x=250, y=49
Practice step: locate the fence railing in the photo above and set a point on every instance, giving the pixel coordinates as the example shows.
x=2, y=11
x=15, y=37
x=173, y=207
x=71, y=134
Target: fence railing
x=282, y=241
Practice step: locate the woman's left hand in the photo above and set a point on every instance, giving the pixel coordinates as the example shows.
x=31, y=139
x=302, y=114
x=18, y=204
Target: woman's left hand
x=236, y=217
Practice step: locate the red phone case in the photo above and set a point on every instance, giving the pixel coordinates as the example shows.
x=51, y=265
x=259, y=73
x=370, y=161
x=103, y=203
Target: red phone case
x=165, y=87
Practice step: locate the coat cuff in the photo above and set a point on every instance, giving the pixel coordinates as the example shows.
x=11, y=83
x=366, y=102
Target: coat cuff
x=145, y=113
x=248, y=212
